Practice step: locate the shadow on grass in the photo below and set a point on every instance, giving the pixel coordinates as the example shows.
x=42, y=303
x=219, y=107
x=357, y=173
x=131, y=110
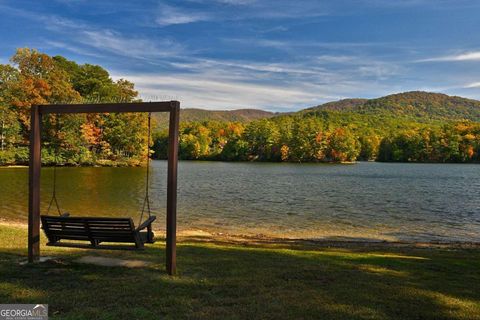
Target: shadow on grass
x=218, y=281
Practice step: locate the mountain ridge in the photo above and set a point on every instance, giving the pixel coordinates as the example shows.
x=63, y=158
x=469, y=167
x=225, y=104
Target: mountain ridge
x=412, y=104
x=200, y=115
x=417, y=105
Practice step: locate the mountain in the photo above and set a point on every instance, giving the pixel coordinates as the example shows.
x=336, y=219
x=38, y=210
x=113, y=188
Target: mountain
x=194, y=115
x=340, y=105
x=418, y=105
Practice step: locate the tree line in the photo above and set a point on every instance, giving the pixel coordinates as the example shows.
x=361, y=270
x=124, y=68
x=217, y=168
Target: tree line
x=307, y=138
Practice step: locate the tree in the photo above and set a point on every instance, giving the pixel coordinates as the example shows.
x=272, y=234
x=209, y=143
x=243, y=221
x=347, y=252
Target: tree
x=306, y=143
x=261, y=137
x=369, y=146
x=40, y=81
x=342, y=146
x=9, y=126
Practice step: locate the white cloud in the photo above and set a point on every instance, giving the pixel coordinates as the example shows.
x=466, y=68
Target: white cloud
x=237, y=2
x=335, y=59
x=220, y=84
x=209, y=93
x=228, y=67
x=91, y=41
x=169, y=15
x=116, y=43
x=244, y=10
x=466, y=56
x=229, y=2
x=72, y=48
x=472, y=85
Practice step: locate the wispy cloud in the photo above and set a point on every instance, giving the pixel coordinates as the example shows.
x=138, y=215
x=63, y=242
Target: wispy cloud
x=88, y=40
x=236, y=2
x=228, y=2
x=465, y=56
x=209, y=93
x=295, y=45
x=228, y=67
x=71, y=48
x=118, y=44
x=169, y=15
x=472, y=85
x=218, y=84
x=244, y=10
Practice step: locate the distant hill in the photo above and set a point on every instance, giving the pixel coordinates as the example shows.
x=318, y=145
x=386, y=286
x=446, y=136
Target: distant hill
x=417, y=105
x=340, y=105
x=193, y=114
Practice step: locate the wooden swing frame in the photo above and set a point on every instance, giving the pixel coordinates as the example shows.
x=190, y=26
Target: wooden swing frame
x=35, y=164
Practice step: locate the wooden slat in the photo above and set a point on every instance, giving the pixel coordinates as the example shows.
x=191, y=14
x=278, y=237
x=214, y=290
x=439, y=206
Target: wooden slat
x=88, y=246
x=67, y=232
x=62, y=235
x=110, y=233
x=129, y=238
x=163, y=106
x=100, y=219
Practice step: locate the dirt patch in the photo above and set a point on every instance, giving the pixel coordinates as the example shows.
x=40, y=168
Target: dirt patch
x=112, y=262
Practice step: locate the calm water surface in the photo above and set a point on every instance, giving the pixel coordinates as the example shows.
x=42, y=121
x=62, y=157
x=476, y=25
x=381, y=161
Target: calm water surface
x=412, y=202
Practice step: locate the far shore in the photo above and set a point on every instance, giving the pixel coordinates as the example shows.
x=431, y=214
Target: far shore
x=14, y=166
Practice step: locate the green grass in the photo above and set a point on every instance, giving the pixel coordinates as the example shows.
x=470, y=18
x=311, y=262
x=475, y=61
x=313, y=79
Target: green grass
x=225, y=281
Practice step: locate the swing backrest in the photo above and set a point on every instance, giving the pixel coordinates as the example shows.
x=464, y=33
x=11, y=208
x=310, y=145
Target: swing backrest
x=93, y=229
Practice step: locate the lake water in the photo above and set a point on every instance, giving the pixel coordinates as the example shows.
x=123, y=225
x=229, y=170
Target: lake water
x=408, y=202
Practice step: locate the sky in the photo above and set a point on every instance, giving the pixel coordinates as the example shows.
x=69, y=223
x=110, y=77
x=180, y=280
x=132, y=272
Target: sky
x=277, y=55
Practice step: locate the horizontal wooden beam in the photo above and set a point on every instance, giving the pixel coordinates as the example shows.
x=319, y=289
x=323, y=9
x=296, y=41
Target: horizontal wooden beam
x=163, y=106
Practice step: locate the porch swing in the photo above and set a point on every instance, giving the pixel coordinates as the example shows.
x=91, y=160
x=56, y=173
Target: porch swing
x=97, y=230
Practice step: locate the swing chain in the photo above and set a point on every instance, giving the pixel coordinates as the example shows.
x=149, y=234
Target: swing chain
x=146, y=201
x=55, y=160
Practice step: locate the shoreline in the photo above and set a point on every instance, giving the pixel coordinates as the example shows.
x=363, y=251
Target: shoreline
x=192, y=235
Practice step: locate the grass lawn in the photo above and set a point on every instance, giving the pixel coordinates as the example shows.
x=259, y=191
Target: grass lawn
x=221, y=281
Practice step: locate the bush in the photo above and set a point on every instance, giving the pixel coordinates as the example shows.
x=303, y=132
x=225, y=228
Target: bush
x=7, y=157
x=22, y=155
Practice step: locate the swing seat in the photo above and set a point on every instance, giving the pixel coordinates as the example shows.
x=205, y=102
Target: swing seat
x=96, y=230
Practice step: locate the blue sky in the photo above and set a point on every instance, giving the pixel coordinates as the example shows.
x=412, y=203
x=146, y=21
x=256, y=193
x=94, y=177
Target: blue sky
x=277, y=55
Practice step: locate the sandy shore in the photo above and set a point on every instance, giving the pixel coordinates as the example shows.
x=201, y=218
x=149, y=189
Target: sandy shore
x=13, y=166
x=241, y=239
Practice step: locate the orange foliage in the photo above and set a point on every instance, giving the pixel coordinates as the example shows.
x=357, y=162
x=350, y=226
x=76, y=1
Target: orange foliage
x=284, y=151
x=91, y=133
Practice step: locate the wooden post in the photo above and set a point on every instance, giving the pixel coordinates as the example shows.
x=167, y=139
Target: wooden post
x=34, y=186
x=171, y=259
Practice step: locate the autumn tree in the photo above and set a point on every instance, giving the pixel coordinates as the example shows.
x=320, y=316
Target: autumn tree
x=39, y=81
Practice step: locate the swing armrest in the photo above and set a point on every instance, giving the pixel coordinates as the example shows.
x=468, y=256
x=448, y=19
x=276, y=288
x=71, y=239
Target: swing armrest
x=146, y=223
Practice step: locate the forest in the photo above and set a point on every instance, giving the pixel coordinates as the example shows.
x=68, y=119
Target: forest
x=406, y=127
x=306, y=138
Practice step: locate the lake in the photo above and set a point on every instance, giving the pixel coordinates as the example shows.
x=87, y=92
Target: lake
x=370, y=201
